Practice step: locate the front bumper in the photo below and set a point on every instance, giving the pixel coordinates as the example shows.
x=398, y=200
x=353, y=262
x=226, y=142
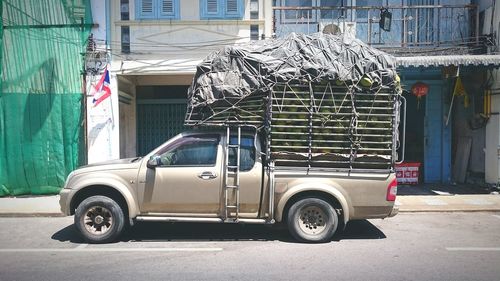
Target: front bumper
x=64, y=200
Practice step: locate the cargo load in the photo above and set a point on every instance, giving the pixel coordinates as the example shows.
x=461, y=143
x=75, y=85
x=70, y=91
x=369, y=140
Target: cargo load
x=320, y=100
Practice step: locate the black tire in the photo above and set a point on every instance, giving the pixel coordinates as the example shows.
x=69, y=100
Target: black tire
x=99, y=219
x=312, y=220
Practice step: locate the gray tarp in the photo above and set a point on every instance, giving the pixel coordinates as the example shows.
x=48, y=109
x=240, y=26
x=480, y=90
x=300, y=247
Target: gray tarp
x=247, y=69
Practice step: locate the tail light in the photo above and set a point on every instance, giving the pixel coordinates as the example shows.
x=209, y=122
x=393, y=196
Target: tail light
x=392, y=190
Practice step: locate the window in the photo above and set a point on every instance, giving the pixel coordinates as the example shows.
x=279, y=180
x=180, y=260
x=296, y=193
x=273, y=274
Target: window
x=331, y=14
x=254, y=32
x=125, y=42
x=221, y=9
x=254, y=9
x=363, y=13
x=298, y=14
x=157, y=9
x=247, y=153
x=195, y=150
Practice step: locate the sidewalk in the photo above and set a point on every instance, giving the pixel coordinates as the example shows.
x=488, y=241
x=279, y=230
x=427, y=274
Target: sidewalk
x=447, y=198
x=422, y=198
x=32, y=206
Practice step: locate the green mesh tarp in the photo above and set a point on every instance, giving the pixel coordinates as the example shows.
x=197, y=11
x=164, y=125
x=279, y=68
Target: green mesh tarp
x=41, y=93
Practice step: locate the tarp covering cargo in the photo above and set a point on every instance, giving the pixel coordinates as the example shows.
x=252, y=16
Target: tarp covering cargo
x=324, y=100
x=255, y=67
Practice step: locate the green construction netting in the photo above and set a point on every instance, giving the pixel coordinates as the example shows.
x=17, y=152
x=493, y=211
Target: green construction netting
x=41, y=93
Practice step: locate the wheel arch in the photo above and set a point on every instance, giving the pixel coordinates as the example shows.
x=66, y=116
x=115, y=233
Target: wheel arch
x=102, y=190
x=332, y=196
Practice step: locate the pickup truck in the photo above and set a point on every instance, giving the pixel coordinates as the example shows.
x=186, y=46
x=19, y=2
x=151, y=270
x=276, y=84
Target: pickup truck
x=221, y=176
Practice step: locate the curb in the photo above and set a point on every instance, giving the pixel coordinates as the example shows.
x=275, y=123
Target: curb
x=448, y=210
x=30, y=215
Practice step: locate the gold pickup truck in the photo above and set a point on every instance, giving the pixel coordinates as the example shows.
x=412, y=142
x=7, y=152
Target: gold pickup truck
x=221, y=177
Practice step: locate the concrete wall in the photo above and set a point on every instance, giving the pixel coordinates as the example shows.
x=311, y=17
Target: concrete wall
x=127, y=109
x=492, y=172
x=464, y=116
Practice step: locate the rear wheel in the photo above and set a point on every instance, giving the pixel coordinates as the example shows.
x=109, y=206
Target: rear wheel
x=312, y=220
x=99, y=219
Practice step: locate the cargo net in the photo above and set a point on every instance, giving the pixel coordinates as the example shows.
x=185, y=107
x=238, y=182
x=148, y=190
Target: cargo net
x=321, y=101
x=331, y=125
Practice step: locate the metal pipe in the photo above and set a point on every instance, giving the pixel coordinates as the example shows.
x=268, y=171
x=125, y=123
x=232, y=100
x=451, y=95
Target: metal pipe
x=369, y=29
x=405, y=29
x=438, y=26
x=470, y=6
x=477, y=25
x=404, y=133
x=417, y=22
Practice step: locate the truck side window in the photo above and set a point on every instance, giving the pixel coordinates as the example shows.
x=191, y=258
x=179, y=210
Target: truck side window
x=191, y=151
x=247, y=153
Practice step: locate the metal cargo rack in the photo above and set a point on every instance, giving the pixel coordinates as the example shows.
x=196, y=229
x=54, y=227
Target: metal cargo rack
x=248, y=111
x=322, y=125
x=327, y=125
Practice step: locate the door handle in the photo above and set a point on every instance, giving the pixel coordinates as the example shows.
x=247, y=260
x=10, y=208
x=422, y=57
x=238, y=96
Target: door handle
x=207, y=175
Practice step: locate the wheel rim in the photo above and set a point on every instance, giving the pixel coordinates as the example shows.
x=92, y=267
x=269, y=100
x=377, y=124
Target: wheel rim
x=312, y=220
x=98, y=220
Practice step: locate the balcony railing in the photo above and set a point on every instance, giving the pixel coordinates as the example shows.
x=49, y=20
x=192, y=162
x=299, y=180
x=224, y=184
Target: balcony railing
x=436, y=28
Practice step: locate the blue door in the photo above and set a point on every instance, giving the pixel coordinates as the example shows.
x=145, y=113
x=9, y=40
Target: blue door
x=437, y=135
x=158, y=121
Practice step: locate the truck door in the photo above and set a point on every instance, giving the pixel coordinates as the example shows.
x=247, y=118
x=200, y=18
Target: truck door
x=250, y=175
x=187, y=179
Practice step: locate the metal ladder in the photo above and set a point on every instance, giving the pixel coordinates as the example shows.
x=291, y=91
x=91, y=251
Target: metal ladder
x=233, y=170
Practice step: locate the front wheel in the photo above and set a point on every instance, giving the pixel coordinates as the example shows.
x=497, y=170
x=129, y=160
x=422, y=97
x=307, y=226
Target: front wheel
x=312, y=220
x=99, y=219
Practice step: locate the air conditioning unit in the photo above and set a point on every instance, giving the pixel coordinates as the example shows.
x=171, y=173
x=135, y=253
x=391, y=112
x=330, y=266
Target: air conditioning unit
x=345, y=28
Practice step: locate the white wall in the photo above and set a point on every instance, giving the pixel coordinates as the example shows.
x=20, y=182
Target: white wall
x=102, y=124
x=103, y=119
x=99, y=18
x=186, y=38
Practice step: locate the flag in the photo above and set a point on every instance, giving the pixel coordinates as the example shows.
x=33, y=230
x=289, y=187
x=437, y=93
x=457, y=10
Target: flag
x=459, y=91
x=102, y=90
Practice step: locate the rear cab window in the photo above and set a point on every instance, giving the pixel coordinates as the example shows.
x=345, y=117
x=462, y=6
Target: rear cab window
x=247, y=152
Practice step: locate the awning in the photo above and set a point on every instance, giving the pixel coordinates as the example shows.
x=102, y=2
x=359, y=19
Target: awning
x=461, y=60
x=155, y=67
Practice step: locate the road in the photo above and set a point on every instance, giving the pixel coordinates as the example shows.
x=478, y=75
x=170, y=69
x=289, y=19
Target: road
x=411, y=246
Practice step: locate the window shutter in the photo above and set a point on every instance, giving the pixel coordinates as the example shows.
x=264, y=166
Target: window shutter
x=146, y=9
x=232, y=6
x=233, y=9
x=167, y=6
x=212, y=6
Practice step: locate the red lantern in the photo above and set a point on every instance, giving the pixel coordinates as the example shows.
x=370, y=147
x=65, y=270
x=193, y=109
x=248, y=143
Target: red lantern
x=420, y=89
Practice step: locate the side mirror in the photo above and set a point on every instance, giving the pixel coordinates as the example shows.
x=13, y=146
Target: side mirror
x=154, y=162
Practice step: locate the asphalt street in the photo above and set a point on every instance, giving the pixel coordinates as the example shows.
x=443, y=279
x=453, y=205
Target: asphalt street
x=410, y=246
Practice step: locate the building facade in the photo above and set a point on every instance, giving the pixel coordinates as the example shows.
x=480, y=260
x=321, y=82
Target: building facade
x=436, y=43
x=152, y=48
